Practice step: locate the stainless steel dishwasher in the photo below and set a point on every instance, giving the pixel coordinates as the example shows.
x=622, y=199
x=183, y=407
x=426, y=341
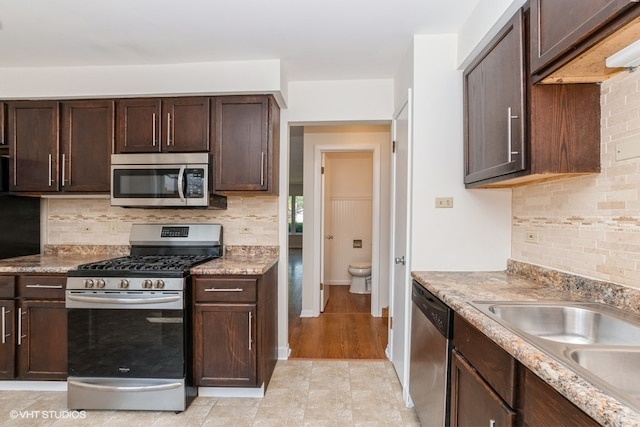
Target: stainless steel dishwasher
x=431, y=330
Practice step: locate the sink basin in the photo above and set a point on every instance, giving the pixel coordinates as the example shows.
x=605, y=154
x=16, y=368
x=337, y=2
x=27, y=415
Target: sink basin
x=597, y=341
x=567, y=322
x=617, y=367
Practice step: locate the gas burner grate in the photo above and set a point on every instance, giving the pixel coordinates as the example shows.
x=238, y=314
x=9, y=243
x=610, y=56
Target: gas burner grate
x=147, y=263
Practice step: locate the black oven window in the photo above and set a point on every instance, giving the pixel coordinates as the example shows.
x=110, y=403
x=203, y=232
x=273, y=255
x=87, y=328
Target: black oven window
x=126, y=343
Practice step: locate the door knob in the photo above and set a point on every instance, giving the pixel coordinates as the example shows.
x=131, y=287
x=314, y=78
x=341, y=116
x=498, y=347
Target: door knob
x=400, y=260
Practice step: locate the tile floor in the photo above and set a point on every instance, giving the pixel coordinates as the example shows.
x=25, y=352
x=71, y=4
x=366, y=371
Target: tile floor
x=301, y=393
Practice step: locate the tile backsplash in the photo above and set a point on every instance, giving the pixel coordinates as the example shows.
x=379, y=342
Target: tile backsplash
x=247, y=221
x=590, y=225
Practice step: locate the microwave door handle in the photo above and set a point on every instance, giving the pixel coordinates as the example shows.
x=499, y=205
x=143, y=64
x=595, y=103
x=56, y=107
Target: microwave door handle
x=181, y=183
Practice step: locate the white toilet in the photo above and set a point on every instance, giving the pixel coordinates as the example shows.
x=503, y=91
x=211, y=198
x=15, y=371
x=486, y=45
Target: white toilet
x=360, y=277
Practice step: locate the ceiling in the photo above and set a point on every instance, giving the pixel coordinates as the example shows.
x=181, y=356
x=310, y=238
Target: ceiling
x=315, y=40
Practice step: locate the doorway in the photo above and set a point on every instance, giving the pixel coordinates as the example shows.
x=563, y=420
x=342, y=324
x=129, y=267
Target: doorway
x=351, y=326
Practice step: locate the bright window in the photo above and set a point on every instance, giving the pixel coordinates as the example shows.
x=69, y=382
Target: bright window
x=295, y=214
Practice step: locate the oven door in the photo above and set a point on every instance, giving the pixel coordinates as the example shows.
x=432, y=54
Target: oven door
x=159, y=185
x=128, y=334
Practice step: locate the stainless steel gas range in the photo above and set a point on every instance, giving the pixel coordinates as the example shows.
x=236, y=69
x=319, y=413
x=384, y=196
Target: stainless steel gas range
x=129, y=321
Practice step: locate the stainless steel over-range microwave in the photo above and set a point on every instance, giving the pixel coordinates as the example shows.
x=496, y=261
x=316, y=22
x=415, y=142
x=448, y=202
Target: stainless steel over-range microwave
x=160, y=180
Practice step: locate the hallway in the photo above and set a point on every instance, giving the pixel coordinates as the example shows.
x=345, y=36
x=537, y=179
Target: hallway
x=346, y=329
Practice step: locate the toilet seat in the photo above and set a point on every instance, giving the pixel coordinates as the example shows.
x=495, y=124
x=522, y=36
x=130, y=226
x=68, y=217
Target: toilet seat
x=360, y=265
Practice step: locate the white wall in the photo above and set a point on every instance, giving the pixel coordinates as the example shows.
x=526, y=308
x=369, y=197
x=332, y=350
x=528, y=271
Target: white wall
x=475, y=233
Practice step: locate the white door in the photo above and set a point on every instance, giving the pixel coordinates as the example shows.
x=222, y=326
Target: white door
x=326, y=238
x=400, y=284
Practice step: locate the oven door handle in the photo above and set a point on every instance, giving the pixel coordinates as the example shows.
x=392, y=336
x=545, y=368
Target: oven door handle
x=157, y=387
x=109, y=300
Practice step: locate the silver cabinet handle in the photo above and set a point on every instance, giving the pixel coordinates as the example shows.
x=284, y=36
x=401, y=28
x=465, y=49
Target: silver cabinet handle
x=224, y=290
x=4, y=325
x=492, y=423
x=250, y=334
x=169, y=135
x=262, y=157
x=20, y=336
x=50, y=170
x=63, y=169
x=39, y=286
x=153, y=128
x=510, y=117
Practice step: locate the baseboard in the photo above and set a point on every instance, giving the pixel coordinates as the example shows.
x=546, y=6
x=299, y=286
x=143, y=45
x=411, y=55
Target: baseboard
x=284, y=352
x=33, y=385
x=231, y=391
x=307, y=313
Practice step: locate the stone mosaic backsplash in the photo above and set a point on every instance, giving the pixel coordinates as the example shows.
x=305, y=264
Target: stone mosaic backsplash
x=589, y=226
x=247, y=221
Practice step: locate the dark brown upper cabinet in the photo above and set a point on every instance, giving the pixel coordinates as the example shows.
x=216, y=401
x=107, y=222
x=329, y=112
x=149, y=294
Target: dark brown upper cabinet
x=516, y=132
x=86, y=145
x=33, y=132
x=162, y=125
x=60, y=146
x=246, y=144
x=570, y=39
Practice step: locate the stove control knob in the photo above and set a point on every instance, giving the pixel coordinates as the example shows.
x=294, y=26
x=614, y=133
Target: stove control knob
x=147, y=284
x=124, y=283
x=88, y=283
x=100, y=283
x=159, y=284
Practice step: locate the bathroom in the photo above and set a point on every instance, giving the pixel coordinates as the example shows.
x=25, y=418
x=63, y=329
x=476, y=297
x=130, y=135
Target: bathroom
x=348, y=209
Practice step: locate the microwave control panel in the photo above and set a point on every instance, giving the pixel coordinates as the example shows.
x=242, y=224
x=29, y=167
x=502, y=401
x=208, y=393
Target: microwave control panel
x=195, y=179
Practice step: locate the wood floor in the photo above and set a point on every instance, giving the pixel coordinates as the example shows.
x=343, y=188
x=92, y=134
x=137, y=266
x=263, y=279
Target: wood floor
x=346, y=329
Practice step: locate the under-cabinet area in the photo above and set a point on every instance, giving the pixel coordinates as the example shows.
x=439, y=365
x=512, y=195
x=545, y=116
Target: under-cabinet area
x=499, y=376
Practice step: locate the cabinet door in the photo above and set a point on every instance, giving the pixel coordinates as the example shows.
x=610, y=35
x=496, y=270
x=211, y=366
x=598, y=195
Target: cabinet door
x=33, y=138
x=185, y=125
x=7, y=339
x=241, y=143
x=494, y=95
x=558, y=27
x=225, y=345
x=473, y=401
x=86, y=146
x=138, y=123
x=42, y=340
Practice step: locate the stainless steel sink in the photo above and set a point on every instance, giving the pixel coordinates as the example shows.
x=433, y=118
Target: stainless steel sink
x=573, y=323
x=599, y=342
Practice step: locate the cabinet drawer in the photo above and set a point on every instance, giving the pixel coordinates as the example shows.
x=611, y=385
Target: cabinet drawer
x=7, y=288
x=42, y=287
x=226, y=290
x=495, y=365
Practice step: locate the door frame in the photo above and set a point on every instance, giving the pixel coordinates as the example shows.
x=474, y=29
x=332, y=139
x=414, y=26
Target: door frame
x=319, y=150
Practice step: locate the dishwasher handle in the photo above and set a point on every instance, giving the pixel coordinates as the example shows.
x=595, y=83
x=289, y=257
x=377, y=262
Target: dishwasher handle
x=437, y=312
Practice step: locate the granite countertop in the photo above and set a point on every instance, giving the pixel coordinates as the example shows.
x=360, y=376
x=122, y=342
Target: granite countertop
x=457, y=289
x=59, y=260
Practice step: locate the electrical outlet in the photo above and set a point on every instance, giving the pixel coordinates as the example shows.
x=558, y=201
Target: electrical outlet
x=245, y=229
x=113, y=227
x=531, y=236
x=444, y=202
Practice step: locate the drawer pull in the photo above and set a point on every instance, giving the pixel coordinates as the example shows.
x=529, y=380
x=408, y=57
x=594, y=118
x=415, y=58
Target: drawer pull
x=224, y=290
x=39, y=286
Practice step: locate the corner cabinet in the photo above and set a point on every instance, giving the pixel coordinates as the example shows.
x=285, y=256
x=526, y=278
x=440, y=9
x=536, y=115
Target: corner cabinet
x=235, y=329
x=516, y=132
x=246, y=140
x=148, y=125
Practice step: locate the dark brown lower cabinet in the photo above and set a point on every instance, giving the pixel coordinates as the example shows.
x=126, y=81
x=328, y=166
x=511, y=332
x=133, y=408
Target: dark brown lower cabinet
x=474, y=403
x=42, y=340
x=7, y=341
x=235, y=329
x=541, y=405
x=228, y=354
